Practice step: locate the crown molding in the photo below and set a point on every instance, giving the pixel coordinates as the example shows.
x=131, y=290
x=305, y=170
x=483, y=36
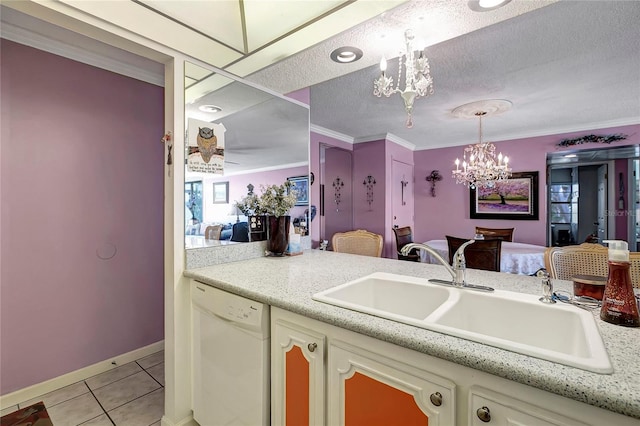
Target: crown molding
x=388, y=137
x=331, y=134
x=37, y=41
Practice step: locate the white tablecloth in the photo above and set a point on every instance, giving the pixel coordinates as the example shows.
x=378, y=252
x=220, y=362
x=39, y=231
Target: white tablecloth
x=515, y=258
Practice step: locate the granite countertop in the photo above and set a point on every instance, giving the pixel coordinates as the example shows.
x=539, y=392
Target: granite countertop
x=289, y=283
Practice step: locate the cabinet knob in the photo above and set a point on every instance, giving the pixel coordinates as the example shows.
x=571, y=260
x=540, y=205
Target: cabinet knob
x=436, y=399
x=312, y=347
x=484, y=414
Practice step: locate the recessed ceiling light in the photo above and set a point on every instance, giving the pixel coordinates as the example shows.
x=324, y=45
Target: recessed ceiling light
x=570, y=156
x=486, y=5
x=209, y=108
x=346, y=54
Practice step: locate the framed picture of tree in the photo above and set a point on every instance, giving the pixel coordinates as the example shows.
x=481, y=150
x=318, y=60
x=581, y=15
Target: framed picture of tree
x=515, y=198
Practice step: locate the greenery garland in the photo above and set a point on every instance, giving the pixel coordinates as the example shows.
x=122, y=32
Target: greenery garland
x=592, y=139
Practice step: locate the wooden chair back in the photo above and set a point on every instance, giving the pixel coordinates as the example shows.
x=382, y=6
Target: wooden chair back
x=403, y=237
x=213, y=232
x=483, y=254
x=358, y=242
x=505, y=234
x=563, y=263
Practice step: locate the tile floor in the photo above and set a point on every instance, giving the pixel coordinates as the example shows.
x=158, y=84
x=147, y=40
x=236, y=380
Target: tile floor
x=129, y=395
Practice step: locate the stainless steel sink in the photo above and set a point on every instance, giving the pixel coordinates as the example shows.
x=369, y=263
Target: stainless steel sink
x=508, y=320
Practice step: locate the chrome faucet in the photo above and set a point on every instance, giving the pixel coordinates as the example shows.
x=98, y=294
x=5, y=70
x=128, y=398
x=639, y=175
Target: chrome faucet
x=457, y=270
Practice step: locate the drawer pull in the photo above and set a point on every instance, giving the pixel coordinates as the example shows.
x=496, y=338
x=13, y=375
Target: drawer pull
x=484, y=414
x=436, y=399
x=312, y=347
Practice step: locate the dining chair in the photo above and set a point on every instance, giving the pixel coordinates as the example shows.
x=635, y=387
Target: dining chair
x=483, y=254
x=358, y=242
x=563, y=263
x=505, y=234
x=404, y=236
x=213, y=232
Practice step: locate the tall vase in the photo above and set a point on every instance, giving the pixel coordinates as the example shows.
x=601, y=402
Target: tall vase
x=278, y=234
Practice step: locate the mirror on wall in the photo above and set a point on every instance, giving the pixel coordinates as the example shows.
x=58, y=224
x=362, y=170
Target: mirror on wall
x=592, y=196
x=236, y=135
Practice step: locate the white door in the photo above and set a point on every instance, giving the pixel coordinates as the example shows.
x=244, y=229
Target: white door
x=602, y=203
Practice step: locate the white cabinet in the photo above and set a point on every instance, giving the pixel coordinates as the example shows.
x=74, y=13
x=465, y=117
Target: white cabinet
x=369, y=381
x=297, y=379
x=367, y=388
x=493, y=408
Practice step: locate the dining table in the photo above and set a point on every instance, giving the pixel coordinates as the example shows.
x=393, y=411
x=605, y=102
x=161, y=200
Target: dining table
x=515, y=258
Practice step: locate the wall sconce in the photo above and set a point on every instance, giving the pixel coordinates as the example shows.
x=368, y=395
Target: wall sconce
x=337, y=186
x=434, y=177
x=369, y=183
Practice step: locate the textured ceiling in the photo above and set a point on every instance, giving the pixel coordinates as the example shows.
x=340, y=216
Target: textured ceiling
x=565, y=66
x=569, y=66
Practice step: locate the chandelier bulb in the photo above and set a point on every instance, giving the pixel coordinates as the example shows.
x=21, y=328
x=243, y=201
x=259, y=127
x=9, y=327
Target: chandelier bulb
x=383, y=65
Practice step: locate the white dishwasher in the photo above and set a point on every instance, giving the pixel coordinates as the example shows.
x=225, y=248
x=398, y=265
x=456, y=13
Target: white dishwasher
x=230, y=375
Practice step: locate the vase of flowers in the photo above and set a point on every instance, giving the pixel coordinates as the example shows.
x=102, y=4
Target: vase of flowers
x=277, y=200
x=274, y=203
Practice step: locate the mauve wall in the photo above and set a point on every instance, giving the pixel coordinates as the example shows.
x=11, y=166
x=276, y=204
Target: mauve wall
x=81, y=175
x=369, y=159
x=448, y=212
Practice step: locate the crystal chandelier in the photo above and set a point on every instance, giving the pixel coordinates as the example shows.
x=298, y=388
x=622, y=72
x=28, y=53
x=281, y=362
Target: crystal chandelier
x=482, y=169
x=418, y=81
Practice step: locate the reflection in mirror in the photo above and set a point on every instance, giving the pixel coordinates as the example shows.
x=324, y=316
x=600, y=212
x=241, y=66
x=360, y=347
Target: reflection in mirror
x=579, y=193
x=238, y=135
x=336, y=198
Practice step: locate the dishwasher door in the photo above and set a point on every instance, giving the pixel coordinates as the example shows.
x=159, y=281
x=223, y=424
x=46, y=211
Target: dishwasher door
x=230, y=381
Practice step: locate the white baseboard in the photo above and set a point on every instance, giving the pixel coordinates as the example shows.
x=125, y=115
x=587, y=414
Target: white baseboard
x=184, y=422
x=50, y=385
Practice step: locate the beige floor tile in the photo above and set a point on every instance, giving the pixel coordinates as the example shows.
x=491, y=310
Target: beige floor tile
x=156, y=424
x=157, y=372
x=75, y=411
x=102, y=420
x=125, y=390
x=8, y=410
x=143, y=411
x=111, y=376
x=60, y=395
x=151, y=360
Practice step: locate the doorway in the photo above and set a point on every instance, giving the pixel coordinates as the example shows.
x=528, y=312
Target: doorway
x=336, y=191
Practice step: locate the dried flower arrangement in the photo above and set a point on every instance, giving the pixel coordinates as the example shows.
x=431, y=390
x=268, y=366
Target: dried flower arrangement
x=276, y=200
x=592, y=139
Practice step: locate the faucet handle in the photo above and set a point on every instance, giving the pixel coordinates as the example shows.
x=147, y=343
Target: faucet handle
x=547, y=286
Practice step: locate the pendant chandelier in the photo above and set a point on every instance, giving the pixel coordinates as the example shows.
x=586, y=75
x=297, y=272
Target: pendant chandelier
x=418, y=81
x=480, y=167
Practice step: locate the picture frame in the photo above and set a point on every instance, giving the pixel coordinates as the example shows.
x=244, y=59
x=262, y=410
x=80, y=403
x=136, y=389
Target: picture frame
x=301, y=185
x=221, y=192
x=515, y=198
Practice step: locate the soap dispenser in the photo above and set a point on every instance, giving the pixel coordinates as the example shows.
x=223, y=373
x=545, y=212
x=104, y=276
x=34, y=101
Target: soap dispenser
x=618, y=303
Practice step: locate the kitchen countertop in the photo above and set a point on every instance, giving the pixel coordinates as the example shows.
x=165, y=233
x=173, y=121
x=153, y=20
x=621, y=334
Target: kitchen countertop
x=289, y=283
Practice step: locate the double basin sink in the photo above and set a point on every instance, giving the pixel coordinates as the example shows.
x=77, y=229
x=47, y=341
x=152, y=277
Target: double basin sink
x=508, y=320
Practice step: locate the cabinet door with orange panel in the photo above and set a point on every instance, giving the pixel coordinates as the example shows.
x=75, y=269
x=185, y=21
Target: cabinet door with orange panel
x=297, y=375
x=365, y=388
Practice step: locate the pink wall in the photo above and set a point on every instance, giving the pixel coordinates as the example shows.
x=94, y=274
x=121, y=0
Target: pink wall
x=81, y=173
x=369, y=159
x=448, y=212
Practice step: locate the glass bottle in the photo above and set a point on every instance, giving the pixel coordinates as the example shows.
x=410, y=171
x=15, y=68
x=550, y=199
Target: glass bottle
x=618, y=303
